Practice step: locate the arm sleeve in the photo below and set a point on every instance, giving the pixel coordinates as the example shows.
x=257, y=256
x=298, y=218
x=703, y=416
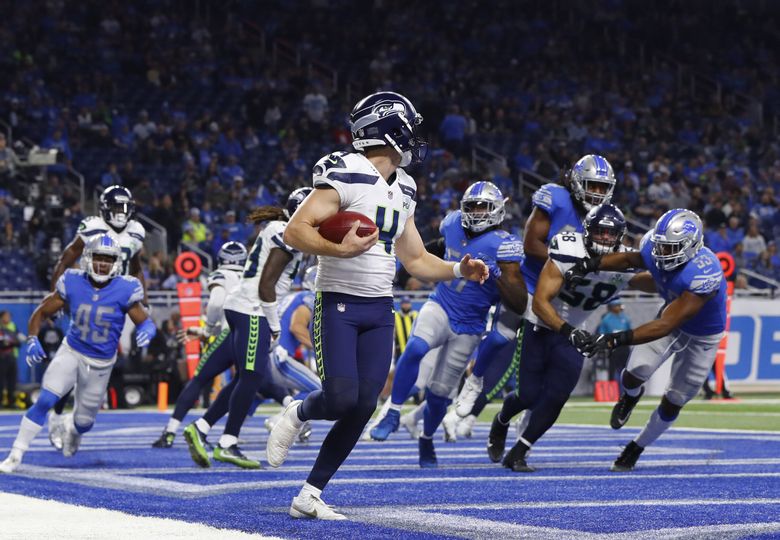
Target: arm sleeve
x=543, y=198
x=137, y=293
x=61, y=288
x=214, y=307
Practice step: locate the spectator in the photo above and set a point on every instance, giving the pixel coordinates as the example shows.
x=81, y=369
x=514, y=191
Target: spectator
x=717, y=240
x=734, y=233
x=8, y=159
x=453, y=130
x=9, y=343
x=195, y=232
x=315, y=104
x=615, y=320
x=660, y=190
x=111, y=177
x=144, y=128
x=753, y=243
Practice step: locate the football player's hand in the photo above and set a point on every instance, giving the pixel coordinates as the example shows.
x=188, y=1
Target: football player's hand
x=144, y=333
x=274, y=340
x=35, y=352
x=607, y=342
x=474, y=269
x=190, y=333
x=575, y=275
x=580, y=340
x=353, y=245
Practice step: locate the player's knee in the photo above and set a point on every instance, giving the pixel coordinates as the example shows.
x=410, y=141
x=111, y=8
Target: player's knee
x=437, y=389
x=46, y=400
x=83, y=424
x=667, y=410
x=341, y=397
x=630, y=380
x=415, y=349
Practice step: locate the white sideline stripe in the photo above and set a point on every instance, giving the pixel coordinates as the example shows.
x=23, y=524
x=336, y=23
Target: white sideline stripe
x=28, y=517
x=412, y=519
x=589, y=504
x=171, y=488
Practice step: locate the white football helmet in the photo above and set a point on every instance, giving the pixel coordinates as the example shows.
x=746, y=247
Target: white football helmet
x=103, y=245
x=482, y=207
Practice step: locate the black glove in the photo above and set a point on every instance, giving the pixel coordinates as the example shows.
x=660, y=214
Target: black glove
x=580, y=339
x=576, y=274
x=607, y=342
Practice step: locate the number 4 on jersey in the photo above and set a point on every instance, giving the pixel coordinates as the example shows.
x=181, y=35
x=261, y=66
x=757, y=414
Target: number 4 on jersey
x=387, y=229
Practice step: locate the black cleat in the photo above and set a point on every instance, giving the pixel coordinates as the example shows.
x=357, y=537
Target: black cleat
x=621, y=412
x=627, y=458
x=165, y=440
x=497, y=440
x=515, y=459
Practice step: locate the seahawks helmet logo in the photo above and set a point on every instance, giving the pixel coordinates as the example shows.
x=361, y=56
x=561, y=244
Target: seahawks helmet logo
x=387, y=108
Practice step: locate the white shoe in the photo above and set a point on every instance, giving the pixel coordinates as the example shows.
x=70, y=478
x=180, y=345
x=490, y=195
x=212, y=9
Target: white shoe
x=522, y=422
x=271, y=421
x=450, y=425
x=55, y=429
x=409, y=423
x=472, y=388
x=309, y=506
x=283, y=435
x=465, y=426
x=11, y=463
x=71, y=439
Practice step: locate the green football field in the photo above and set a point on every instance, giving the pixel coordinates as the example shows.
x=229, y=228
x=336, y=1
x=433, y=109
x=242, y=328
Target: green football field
x=748, y=411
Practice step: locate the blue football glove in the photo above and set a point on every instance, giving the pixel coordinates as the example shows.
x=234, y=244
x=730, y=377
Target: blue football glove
x=35, y=352
x=144, y=333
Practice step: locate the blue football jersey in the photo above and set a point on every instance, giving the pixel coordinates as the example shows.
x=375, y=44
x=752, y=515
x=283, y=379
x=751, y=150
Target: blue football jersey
x=701, y=275
x=467, y=302
x=292, y=302
x=97, y=315
x=556, y=201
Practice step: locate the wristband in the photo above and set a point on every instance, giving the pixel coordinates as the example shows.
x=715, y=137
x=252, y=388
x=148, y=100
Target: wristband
x=271, y=312
x=456, y=270
x=566, y=329
x=622, y=338
x=593, y=263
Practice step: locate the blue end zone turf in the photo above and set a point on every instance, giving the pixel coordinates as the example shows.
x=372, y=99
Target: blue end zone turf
x=691, y=483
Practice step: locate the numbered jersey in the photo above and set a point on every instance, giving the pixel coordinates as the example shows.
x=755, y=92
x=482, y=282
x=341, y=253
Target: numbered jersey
x=467, y=302
x=97, y=314
x=362, y=189
x=130, y=239
x=228, y=277
x=702, y=275
x=246, y=298
x=557, y=203
x=293, y=301
x=575, y=306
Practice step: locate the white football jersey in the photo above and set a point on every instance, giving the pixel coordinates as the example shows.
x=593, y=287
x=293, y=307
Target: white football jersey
x=246, y=298
x=574, y=307
x=130, y=239
x=362, y=188
x=226, y=276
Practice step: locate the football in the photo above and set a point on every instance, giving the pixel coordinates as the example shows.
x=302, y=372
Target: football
x=336, y=227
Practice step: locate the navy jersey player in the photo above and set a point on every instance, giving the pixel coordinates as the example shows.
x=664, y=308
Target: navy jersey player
x=556, y=208
x=353, y=312
x=217, y=355
x=97, y=300
x=689, y=278
x=252, y=314
x=553, y=339
x=455, y=315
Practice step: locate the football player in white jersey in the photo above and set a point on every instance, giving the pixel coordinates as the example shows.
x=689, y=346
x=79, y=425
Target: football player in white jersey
x=252, y=313
x=353, y=310
x=217, y=356
x=553, y=338
x=116, y=218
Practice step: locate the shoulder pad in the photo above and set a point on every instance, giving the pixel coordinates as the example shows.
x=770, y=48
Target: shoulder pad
x=705, y=283
x=567, y=247
x=545, y=198
x=344, y=168
x=92, y=225
x=510, y=249
x=135, y=228
x=216, y=276
x=135, y=288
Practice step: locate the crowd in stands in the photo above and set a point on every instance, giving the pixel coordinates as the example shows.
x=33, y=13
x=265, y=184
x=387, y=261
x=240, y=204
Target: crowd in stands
x=193, y=114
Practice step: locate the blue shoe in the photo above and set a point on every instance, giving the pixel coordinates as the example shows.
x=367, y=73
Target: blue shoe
x=427, y=453
x=386, y=425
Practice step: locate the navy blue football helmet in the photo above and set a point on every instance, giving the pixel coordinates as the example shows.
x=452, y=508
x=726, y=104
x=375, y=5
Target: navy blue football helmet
x=117, y=206
x=295, y=199
x=388, y=119
x=604, y=226
x=232, y=254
